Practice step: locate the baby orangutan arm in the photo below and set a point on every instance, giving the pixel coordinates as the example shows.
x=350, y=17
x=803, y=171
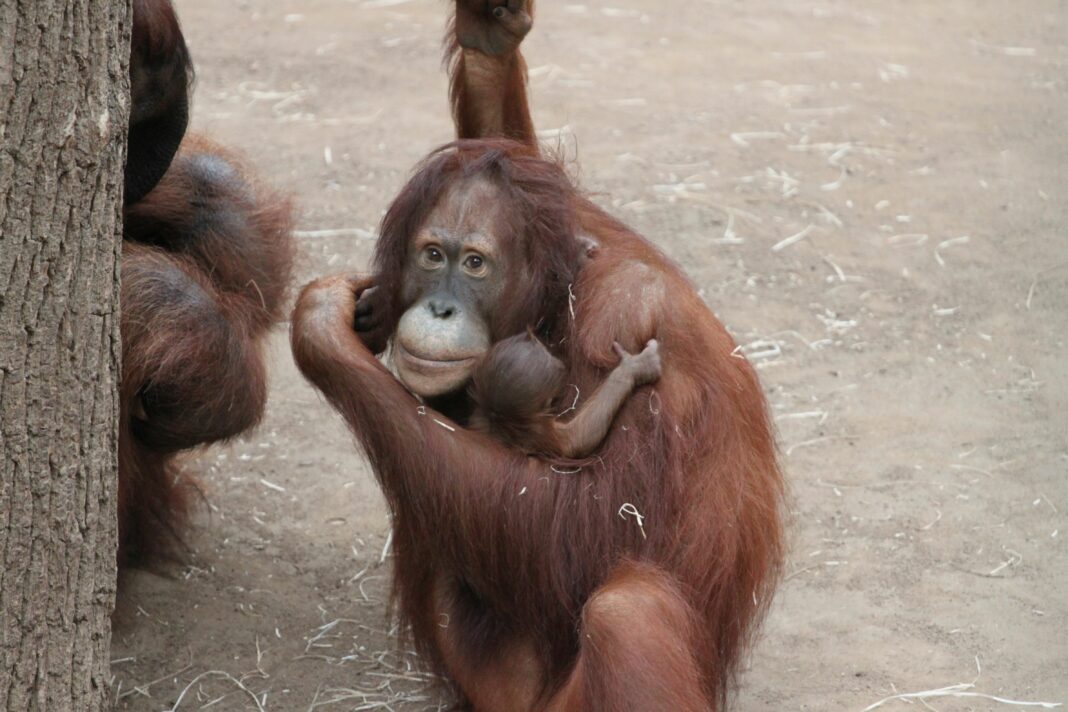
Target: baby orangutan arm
x=581, y=435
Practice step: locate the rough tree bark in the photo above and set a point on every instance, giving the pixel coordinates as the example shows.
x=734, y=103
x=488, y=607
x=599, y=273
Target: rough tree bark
x=63, y=110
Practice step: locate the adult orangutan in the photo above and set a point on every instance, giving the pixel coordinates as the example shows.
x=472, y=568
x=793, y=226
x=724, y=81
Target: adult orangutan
x=631, y=581
x=205, y=265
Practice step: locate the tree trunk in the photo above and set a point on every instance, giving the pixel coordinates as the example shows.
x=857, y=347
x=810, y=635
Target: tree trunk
x=64, y=100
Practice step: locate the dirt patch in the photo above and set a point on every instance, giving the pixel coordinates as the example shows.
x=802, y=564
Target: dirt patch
x=872, y=196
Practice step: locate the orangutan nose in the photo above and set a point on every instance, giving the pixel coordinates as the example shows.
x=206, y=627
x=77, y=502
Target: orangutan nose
x=440, y=309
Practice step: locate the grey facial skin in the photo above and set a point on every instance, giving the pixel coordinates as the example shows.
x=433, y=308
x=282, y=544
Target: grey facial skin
x=456, y=272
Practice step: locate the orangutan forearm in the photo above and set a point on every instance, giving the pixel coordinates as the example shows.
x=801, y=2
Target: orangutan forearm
x=489, y=97
x=582, y=435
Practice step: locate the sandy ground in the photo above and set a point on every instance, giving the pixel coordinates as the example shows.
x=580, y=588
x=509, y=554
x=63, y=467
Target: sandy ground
x=872, y=196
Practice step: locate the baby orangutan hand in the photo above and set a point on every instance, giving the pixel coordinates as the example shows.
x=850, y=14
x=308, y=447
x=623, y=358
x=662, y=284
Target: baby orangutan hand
x=643, y=368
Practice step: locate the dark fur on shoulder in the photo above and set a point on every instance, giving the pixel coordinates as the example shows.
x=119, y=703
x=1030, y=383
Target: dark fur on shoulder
x=209, y=208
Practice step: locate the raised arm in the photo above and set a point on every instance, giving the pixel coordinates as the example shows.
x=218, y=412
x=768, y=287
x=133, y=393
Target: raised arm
x=488, y=75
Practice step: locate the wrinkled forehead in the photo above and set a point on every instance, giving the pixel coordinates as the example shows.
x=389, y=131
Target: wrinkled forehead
x=473, y=205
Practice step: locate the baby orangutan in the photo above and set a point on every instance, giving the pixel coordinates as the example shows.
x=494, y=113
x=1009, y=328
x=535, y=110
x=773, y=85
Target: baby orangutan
x=514, y=386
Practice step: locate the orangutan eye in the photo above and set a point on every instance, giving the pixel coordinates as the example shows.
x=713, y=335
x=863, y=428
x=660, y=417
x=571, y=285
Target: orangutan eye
x=474, y=263
x=433, y=256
